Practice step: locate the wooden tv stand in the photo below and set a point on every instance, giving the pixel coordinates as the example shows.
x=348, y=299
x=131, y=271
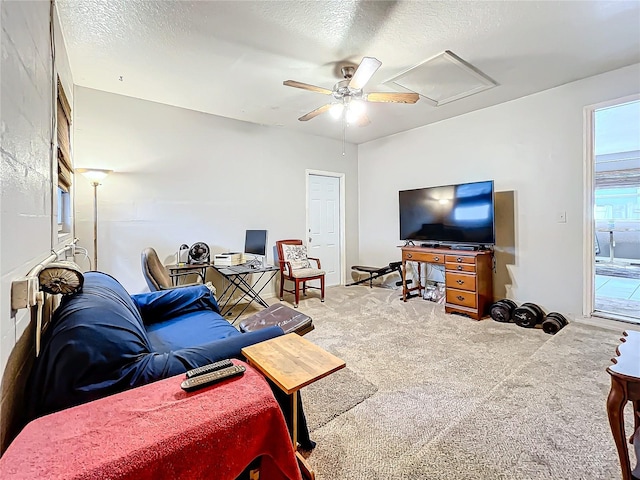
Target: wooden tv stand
x=468, y=278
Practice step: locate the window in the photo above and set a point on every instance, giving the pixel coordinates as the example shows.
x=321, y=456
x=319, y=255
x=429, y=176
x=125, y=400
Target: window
x=64, y=210
x=65, y=170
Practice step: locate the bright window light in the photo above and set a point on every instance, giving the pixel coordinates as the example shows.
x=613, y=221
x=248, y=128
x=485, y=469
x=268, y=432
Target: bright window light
x=475, y=213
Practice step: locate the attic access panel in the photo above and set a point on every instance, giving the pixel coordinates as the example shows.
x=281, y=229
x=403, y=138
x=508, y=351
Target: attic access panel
x=443, y=78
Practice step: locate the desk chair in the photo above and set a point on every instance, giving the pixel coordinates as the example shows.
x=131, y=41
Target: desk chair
x=156, y=274
x=296, y=267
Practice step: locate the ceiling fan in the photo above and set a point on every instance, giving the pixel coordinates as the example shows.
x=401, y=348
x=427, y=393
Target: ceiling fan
x=349, y=94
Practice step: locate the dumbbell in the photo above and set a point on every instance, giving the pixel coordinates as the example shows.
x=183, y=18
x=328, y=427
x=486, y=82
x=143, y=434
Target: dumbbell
x=528, y=315
x=553, y=322
x=502, y=310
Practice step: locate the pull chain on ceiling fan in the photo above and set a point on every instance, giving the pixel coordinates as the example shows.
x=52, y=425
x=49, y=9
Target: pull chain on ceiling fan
x=349, y=95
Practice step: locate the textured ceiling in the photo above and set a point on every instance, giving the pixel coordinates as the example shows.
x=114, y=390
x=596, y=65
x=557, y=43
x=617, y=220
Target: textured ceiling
x=230, y=58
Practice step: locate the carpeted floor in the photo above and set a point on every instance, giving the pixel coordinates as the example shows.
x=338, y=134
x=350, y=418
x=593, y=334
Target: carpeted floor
x=434, y=396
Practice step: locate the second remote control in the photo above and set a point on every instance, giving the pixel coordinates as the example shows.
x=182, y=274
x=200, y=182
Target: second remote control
x=201, y=381
x=212, y=367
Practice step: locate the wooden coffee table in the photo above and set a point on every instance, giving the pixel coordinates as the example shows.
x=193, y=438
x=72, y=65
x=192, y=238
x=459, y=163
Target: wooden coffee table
x=292, y=362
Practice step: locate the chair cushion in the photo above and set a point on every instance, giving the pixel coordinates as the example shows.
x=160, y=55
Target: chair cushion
x=306, y=272
x=296, y=255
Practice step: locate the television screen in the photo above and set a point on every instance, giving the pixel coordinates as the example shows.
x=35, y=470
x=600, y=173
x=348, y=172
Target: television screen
x=255, y=242
x=449, y=214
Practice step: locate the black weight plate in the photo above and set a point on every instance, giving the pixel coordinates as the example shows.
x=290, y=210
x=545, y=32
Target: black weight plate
x=551, y=325
x=559, y=317
x=511, y=303
x=537, y=309
x=525, y=316
x=561, y=320
x=500, y=312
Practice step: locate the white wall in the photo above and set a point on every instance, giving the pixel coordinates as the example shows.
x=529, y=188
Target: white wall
x=532, y=147
x=182, y=176
x=26, y=223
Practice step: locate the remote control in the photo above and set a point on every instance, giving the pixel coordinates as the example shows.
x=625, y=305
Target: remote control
x=201, y=381
x=212, y=367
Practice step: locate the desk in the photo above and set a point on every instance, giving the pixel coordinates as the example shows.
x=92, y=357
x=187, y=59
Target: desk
x=244, y=279
x=176, y=272
x=158, y=431
x=625, y=387
x=292, y=362
x=468, y=278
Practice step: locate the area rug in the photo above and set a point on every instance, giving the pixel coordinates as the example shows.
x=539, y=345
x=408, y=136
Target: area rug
x=333, y=395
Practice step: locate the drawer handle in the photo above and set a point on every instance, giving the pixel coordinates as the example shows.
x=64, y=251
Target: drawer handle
x=459, y=282
x=409, y=255
x=460, y=297
x=459, y=267
x=459, y=259
x=435, y=259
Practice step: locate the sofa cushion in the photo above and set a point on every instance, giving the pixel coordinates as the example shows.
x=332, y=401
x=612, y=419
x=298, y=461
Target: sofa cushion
x=189, y=330
x=167, y=304
x=182, y=317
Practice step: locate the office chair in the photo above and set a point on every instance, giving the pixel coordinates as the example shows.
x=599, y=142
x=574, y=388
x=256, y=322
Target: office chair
x=156, y=274
x=296, y=267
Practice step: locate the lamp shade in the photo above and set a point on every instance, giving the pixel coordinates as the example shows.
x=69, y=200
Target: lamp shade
x=94, y=174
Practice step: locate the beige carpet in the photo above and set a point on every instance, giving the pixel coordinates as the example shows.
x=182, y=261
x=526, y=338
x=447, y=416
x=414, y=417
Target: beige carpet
x=445, y=397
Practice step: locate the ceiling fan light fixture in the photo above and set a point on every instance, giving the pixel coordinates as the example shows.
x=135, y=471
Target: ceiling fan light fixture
x=357, y=106
x=351, y=116
x=336, y=110
x=349, y=99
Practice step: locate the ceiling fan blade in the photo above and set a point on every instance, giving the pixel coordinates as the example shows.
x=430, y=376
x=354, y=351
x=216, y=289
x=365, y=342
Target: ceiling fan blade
x=306, y=86
x=315, y=113
x=368, y=66
x=393, y=97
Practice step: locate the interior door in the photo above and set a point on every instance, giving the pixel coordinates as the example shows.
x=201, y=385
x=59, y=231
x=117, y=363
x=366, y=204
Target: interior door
x=323, y=241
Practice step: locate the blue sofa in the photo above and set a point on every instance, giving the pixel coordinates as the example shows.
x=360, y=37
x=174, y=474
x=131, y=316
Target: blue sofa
x=102, y=340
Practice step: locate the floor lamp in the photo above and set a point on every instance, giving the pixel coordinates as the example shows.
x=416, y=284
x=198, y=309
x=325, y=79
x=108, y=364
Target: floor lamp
x=94, y=175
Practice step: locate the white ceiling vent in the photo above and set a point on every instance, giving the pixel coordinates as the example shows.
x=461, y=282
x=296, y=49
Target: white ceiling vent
x=443, y=79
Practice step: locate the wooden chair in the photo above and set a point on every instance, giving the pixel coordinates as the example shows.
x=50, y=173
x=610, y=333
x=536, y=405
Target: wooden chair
x=296, y=267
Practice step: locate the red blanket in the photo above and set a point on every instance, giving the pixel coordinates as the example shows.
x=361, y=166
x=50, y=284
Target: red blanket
x=158, y=431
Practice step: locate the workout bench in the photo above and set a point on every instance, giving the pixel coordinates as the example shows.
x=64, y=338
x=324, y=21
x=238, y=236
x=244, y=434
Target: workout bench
x=375, y=272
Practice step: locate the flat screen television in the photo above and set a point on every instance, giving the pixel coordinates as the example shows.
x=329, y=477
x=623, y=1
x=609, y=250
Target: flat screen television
x=451, y=214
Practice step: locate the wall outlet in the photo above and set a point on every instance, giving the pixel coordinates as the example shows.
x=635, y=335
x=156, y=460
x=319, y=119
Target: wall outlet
x=561, y=217
x=23, y=292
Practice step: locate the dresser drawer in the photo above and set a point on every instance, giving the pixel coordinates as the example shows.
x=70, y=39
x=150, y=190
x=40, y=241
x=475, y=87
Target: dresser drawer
x=460, y=297
x=462, y=281
x=423, y=257
x=461, y=267
x=460, y=259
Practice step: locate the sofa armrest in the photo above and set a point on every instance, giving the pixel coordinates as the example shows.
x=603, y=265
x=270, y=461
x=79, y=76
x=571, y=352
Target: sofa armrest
x=165, y=304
